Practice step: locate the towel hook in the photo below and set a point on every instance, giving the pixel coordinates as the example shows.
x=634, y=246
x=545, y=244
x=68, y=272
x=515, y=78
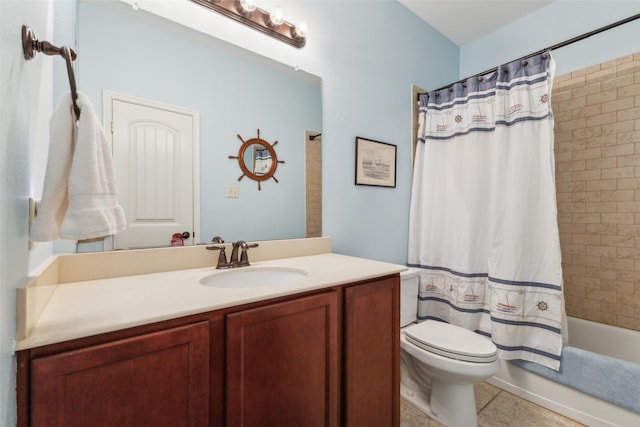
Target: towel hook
x=31, y=45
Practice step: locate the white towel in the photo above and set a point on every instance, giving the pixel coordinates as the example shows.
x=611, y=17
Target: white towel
x=79, y=199
x=54, y=202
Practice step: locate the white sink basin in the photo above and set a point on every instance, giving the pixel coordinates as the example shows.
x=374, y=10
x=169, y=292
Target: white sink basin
x=253, y=277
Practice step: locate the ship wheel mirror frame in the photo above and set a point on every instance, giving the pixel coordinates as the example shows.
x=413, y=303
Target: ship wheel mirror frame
x=254, y=162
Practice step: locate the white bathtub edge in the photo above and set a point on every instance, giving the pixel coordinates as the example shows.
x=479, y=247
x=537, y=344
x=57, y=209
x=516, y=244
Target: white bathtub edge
x=561, y=399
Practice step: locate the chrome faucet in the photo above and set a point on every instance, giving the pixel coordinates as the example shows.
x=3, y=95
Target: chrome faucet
x=239, y=246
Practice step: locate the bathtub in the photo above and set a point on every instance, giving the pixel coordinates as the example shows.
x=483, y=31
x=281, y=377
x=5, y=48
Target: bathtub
x=595, y=337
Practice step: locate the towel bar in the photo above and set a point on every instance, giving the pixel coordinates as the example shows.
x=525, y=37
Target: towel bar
x=31, y=45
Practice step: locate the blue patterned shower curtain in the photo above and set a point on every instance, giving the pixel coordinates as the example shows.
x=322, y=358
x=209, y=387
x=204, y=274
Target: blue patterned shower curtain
x=483, y=219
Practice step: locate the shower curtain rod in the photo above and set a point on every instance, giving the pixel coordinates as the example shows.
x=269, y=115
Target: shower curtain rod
x=554, y=47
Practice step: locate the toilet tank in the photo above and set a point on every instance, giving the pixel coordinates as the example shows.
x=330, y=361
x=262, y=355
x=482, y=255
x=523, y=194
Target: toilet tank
x=409, y=285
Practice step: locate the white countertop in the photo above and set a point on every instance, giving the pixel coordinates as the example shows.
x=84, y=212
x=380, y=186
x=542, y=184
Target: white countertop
x=85, y=308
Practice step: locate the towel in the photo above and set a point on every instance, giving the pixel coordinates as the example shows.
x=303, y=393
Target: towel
x=609, y=379
x=54, y=202
x=79, y=199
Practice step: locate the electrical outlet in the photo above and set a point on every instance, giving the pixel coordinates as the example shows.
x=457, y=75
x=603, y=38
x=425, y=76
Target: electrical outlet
x=233, y=191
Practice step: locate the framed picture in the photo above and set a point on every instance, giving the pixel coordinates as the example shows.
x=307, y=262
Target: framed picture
x=375, y=163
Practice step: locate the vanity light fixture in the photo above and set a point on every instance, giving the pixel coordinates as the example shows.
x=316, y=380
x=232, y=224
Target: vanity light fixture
x=271, y=23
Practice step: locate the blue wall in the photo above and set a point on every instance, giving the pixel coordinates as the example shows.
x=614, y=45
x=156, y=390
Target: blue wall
x=555, y=23
x=367, y=70
x=368, y=55
x=368, y=58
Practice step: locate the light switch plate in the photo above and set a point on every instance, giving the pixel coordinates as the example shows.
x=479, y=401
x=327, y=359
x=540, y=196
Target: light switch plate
x=233, y=191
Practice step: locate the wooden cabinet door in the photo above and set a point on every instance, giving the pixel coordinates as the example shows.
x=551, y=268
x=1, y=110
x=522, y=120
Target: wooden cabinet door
x=372, y=351
x=282, y=364
x=157, y=379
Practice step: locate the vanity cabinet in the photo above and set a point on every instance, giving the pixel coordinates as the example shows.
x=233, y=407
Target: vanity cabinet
x=327, y=358
x=156, y=379
x=282, y=364
x=372, y=354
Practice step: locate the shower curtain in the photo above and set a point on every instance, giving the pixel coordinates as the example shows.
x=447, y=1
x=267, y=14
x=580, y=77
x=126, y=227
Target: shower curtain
x=262, y=162
x=483, y=224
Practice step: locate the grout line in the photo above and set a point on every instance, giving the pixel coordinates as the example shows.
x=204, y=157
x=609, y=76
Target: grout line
x=489, y=402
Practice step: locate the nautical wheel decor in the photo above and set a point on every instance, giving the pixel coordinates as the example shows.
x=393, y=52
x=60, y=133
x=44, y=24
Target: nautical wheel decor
x=257, y=159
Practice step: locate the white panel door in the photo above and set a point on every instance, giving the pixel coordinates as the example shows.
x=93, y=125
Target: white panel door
x=153, y=151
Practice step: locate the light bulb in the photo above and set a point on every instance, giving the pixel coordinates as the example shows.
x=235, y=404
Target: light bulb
x=301, y=29
x=249, y=5
x=277, y=16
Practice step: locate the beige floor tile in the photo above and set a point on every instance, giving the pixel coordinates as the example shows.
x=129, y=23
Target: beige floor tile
x=413, y=417
x=497, y=408
x=509, y=410
x=410, y=416
x=484, y=393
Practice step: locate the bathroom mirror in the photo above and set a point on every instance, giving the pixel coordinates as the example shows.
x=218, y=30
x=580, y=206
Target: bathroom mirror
x=233, y=90
x=257, y=159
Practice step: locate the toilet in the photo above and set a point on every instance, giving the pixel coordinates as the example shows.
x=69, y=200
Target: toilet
x=440, y=362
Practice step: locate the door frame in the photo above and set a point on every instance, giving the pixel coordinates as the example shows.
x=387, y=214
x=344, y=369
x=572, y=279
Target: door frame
x=108, y=96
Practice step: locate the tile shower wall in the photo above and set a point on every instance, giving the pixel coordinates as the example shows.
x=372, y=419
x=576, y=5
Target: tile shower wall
x=597, y=149
x=313, y=168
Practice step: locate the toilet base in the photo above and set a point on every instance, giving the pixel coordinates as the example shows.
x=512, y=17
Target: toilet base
x=419, y=400
x=453, y=405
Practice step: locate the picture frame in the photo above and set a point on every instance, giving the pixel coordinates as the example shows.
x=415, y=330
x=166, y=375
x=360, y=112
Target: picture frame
x=375, y=163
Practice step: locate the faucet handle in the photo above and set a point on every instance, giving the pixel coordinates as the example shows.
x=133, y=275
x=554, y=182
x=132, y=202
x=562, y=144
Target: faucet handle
x=222, y=258
x=244, y=256
x=217, y=239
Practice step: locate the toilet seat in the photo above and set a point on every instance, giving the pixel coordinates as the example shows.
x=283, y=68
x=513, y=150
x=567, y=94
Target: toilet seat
x=451, y=341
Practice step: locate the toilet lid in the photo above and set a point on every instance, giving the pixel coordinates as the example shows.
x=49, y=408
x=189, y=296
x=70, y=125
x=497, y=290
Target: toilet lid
x=451, y=341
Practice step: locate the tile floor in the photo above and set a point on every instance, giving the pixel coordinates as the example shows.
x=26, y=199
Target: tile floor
x=496, y=408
